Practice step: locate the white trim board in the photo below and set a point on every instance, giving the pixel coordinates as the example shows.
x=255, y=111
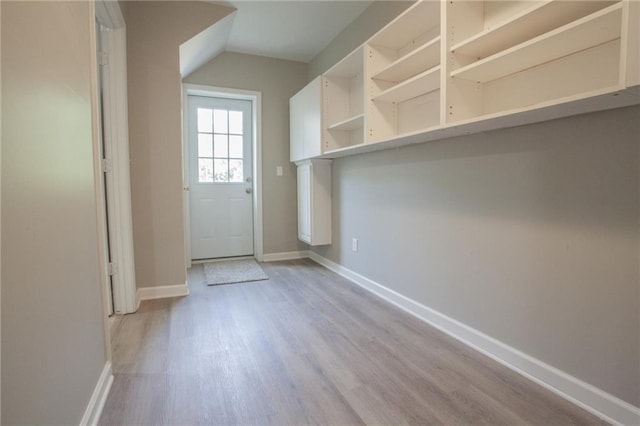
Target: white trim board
x=98, y=397
x=584, y=395
x=161, y=292
x=287, y=255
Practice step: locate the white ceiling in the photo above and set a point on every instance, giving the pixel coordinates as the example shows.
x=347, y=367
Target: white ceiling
x=294, y=30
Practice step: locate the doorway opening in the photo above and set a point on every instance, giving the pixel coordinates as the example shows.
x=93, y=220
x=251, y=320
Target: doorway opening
x=222, y=168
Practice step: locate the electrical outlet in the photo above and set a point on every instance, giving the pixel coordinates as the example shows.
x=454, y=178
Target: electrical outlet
x=354, y=245
x=279, y=171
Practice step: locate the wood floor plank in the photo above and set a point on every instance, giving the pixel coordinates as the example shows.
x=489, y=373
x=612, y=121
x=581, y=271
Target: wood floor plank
x=307, y=347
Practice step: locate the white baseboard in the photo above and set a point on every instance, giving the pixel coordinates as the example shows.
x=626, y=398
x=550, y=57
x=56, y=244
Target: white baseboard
x=98, y=397
x=288, y=255
x=592, y=399
x=148, y=293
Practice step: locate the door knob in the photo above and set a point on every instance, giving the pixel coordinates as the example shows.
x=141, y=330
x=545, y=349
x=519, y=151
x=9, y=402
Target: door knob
x=248, y=190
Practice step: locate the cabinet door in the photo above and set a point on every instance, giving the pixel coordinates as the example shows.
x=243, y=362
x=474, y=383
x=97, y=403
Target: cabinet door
x=304, y=202
x=305, y=122
x=314, y=202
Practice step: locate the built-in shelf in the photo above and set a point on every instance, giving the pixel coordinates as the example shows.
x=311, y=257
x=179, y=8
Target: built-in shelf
x=343, y=103
x=593, y=30
x=420, y=84
x=532, y=22
x=424, y=57
x=335, y=152
x=356, y=122
x=456, y=67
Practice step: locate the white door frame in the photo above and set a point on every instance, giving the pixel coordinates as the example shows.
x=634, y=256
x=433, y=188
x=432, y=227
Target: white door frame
x=116, y=135
x=256, y=108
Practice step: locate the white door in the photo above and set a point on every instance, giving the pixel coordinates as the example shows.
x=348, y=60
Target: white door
x=220, y=180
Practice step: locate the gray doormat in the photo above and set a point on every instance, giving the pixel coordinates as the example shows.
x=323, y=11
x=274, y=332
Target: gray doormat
x=233, y=271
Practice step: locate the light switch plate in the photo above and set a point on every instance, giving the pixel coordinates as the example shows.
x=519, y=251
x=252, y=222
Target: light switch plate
x=279, y=171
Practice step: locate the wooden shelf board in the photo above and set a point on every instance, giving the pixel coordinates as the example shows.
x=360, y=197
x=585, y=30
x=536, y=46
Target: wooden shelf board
x=595, y=29
x=538, y=19
x=425, y=82
x=352, y=123
x=342, y=149
x=412, y=133
x=424, y=57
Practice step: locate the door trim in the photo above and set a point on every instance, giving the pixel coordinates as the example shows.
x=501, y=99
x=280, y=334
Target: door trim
x=116, y=133
x=256, y=143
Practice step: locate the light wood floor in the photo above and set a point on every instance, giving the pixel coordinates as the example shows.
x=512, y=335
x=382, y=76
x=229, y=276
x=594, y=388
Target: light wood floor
x=307, y=347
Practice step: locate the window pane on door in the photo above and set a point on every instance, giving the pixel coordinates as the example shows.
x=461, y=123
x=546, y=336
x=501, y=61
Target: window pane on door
x=235, y=171
x=220, y=148
x=221, y=167
x=205, y=170
x=220, y=117
x=205, y=145
x=235, y=146
x=235, y=122
x=205, y=121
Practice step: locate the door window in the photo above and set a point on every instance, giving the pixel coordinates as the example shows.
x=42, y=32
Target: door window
x=220, y=146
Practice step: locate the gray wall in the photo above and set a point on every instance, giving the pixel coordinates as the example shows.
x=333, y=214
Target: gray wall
x=155, y=30
x=52, y=329
x=277, y=80
x=530, y=235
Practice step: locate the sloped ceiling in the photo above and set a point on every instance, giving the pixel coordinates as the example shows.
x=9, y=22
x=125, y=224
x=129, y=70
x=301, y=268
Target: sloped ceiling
x=205, y=46
x=294, y=30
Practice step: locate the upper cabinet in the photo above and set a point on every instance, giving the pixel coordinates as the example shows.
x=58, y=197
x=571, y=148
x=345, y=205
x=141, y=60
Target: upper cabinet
x=455, y=67
x=304, y=122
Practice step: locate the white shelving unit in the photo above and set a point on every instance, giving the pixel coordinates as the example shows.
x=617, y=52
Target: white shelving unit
x=403, y=72
x=453, y=67
x=343, y=103
x=503, y=57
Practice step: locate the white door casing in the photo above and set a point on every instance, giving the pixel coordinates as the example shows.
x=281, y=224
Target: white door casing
x=220, y=177
x=116, y=133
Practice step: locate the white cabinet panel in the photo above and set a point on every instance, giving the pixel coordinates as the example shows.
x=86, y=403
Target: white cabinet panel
x=314, y=202
x=305, y=122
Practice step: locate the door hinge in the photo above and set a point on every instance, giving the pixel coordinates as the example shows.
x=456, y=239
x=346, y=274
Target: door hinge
x=103, y=58
x=112, y=268
x=107, y=165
